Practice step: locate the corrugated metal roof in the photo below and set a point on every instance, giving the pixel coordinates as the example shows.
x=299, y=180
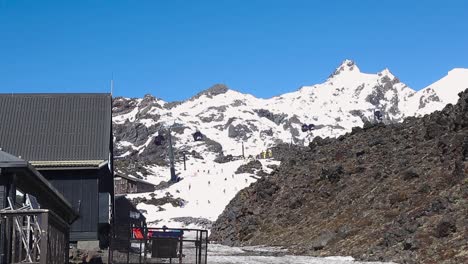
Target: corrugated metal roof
x=56, y=127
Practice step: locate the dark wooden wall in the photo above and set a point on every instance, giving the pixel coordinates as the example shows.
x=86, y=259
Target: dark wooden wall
x=81, y=188
x=82, y=193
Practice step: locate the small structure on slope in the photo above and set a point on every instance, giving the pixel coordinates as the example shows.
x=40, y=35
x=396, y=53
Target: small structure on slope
x=126, y=184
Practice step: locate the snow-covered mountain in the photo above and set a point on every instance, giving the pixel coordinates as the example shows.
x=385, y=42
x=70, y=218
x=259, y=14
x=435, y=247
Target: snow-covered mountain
x=230, y=121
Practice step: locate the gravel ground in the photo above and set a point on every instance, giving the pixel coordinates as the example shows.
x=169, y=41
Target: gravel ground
x=219, y=254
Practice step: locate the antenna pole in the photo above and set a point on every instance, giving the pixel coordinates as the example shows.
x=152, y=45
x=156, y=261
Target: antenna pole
x=112, y=84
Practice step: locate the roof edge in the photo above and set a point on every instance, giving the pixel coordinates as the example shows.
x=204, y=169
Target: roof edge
x=70, y=163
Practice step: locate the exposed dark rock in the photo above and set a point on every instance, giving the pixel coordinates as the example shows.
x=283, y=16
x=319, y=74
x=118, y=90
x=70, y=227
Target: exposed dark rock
x=213, y=146
x=445, y=227
x=332, y=174
x=410, y=174
x=176, y=202
x=136, y=134
x=345, y=64
x=323, y=239
x=224, y=159
x=203, y=222
x=429, y=96
x=265, y=133
x=250, y=167
x=172, y=104
x=275, y=118
x=212, y=91
x=239, y=131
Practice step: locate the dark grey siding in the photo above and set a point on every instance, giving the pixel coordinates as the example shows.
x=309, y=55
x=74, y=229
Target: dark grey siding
x=3, y=196
x=104, y=210
x=56, y=127
x=82, y=192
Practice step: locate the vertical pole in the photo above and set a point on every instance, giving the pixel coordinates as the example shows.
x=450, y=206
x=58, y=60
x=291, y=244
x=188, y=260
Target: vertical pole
x=146, y=237
x=200, y=251
x=185, y=166
x=14, y=241
x=171, y=157
x=110, y=254
x=196, y=247
x=180, y=249
x=129, y=243
x=44, y=255
x=7, y=246
x=139, y=259
x=243, y=153
x=11, y=224
x=206, y=246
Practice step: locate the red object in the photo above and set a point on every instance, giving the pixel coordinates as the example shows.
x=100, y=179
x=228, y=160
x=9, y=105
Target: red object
x=138, y=233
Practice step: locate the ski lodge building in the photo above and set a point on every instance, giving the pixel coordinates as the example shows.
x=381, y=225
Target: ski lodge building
x=58, y=148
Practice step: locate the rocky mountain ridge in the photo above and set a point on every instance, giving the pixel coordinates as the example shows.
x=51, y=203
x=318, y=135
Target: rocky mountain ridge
x=228, y=118
x=396, y=192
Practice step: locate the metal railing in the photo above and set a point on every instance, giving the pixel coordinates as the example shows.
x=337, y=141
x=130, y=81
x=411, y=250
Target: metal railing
x=162, y=245
x=33, y=236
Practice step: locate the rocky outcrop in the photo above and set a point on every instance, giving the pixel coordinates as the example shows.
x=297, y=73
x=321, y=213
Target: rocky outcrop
x=275, y=118
x=394, y=192
x=212, y=91
x=241, y=131
x=251, y=167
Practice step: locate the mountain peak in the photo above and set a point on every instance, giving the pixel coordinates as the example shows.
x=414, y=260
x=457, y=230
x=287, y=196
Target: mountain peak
x=386, y=72
x=212, y=91
x=346, y=66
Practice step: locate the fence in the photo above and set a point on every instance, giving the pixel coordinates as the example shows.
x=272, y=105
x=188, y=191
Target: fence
x=162, y=245
x=33, y=236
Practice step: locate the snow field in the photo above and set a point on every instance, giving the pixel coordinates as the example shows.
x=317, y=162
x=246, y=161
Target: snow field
x=206, y=186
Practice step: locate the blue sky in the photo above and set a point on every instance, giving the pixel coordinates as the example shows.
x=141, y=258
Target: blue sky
x=174, y=48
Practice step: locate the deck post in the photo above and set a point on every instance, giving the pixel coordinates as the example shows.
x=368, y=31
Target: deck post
x=44, y=255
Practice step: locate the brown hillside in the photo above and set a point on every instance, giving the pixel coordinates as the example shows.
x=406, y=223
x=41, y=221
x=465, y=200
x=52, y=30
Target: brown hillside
x=394, y=193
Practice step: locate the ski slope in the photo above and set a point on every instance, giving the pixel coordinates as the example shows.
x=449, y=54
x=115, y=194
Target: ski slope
x=206, y=186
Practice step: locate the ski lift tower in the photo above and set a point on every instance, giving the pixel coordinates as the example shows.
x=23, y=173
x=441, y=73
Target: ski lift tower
x=171, y=158
x=171, y=155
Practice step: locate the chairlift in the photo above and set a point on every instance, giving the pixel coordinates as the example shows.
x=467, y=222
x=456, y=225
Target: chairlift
x=197, y=136
x=378, y=115
x=307, y=127
x=158, y=140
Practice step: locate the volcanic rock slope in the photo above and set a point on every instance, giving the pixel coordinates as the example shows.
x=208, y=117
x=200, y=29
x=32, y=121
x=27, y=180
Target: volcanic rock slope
x=396, y=192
